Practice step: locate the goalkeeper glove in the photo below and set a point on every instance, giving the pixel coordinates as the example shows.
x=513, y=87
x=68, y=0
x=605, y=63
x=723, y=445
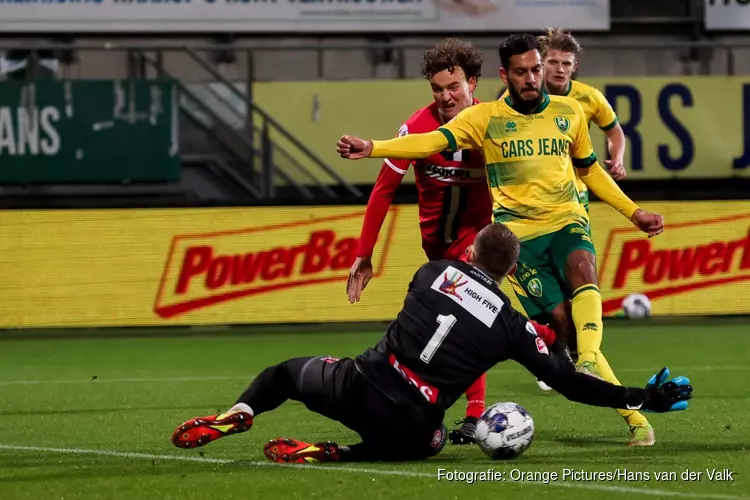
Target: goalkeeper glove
x=663, y=395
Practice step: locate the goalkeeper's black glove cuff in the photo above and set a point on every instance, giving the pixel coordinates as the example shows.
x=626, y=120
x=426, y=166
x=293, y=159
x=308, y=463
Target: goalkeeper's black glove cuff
x=634, y=398
x=648, y=399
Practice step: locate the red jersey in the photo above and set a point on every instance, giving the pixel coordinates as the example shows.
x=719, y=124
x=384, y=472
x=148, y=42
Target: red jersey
x=454, y=199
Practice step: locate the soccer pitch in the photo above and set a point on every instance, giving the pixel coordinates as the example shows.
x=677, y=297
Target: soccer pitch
x=91, y=417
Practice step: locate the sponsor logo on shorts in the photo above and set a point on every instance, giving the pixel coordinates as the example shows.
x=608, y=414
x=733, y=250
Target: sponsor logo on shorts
x=535, y=287
x=562, y=124
x=329, y=359
x=527, y=273
x=437, y=439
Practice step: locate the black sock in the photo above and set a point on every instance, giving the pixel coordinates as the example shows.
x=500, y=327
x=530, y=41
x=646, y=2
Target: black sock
x=269, y=390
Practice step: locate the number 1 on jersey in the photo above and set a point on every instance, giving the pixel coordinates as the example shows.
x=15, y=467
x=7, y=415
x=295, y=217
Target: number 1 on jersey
x=446, y=324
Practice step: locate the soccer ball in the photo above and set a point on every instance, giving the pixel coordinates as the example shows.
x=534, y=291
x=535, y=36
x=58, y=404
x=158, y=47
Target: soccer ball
x=636, y=305
x=504, y=430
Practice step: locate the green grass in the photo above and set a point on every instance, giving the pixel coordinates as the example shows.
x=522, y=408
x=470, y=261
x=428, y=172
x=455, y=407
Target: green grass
x=70, y=399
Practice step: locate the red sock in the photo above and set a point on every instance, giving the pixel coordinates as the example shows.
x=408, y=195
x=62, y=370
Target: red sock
x=546, y=333
x=476, y=394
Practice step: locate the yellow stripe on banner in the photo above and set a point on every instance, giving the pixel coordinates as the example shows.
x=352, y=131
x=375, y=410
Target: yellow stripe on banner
x=97, y=268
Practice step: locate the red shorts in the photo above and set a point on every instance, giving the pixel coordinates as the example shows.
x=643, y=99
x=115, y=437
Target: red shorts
x=452, y=251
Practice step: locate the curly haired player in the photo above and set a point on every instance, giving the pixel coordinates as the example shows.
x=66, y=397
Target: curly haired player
x=454, y=202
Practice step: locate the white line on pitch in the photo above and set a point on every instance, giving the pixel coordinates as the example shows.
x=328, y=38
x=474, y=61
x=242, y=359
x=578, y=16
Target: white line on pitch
x=629, y=490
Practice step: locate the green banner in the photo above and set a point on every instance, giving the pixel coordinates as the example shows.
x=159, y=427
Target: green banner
x=88, y=131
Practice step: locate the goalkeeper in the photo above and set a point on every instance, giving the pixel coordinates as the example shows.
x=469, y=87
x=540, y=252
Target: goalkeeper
x=455, y=325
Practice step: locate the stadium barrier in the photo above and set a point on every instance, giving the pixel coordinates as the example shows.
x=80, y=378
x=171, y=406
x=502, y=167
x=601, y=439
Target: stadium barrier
x=697, y=127
x=88, y=131
x=313, y=18
x=66, y=268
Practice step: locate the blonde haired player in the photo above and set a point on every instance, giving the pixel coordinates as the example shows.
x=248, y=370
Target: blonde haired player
x=534, y=146
x=560, y=51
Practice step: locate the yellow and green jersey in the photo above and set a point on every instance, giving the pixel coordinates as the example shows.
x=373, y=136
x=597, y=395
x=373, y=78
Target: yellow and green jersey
x=530, y=160
x=594, y=104
x=597, y=110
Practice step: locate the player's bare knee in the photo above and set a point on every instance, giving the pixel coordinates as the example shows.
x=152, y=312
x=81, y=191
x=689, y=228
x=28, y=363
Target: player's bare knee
x=580, y=269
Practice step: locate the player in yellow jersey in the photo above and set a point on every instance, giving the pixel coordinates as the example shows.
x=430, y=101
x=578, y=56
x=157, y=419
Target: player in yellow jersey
x=560, y=51
x=533, y=145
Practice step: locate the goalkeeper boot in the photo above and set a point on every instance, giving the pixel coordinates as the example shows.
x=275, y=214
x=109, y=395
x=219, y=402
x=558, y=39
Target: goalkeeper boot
x=642, y=435
x=465, y=433
x=285, y=450
x=202, y=430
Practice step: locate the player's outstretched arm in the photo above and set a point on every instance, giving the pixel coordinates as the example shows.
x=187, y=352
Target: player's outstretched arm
x=601, y=184
x=607, y=190
x=408, y=147
x=658, y=397
x=465, y=131
x=390, y=177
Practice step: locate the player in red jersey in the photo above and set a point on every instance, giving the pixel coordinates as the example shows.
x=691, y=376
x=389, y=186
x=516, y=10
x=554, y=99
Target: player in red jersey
x=445, y=181
x=454, y=200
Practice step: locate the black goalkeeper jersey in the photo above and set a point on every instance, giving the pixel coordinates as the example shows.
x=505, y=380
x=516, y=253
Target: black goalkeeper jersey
x=454, y=326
